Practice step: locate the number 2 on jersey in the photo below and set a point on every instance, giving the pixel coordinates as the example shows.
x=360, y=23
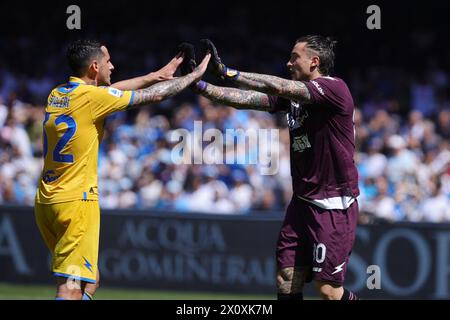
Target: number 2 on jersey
x=71, y=129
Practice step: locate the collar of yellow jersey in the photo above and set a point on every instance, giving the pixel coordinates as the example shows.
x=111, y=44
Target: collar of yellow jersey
x=76, y=80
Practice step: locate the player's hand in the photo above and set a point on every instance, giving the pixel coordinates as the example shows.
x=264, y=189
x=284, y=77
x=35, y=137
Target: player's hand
x=167, y=72
x=201, y=69
x=188, y=65
x=216, y=65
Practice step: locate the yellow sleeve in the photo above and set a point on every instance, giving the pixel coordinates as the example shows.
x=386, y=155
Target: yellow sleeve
x=106, y=100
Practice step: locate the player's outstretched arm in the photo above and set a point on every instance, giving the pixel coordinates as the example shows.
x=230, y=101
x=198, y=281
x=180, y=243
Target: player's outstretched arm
x=272, y=85
x=240, y=99
x=165, y=73
x=163, y=90
x=289, y=89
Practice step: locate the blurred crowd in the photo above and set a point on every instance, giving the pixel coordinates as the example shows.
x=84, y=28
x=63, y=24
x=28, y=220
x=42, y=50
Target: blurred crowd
x=403, y=162
x=402, y=118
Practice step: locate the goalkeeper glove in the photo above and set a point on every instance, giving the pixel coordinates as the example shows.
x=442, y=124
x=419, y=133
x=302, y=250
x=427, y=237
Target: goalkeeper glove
x=189, y=64
x=216, y=63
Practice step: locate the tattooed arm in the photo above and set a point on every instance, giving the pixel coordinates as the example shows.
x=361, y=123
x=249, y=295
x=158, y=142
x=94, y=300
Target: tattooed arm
x=162, y=90
x=272, y=85
x=289, y=89
x=240, y=99
x=166, y=89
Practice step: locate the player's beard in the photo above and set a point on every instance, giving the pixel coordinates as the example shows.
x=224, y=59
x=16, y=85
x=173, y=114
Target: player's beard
x=296, y=76
x=293, y=74
x=104, y=81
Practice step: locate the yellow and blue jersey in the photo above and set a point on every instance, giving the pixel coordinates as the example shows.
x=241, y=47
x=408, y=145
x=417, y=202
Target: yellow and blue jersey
x=73, y=130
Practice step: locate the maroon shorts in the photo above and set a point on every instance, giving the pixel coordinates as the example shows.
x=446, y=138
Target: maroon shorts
x=318, y=239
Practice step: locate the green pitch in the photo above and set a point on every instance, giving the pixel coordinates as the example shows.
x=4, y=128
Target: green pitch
x=35, y=292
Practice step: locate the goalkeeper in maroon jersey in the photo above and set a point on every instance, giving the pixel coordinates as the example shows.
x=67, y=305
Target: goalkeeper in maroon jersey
x=318, y=232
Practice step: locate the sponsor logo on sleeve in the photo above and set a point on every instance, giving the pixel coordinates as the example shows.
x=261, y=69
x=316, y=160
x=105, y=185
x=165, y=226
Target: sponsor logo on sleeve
x=115, y=92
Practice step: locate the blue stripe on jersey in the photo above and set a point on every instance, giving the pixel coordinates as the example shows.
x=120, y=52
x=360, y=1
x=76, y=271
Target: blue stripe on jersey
x=131, y=98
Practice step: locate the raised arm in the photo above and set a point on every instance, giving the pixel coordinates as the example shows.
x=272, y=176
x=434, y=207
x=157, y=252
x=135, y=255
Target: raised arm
x=165, y=73
x=289, y=89
x=240, y=99
x=166, y=89
x=272, y=85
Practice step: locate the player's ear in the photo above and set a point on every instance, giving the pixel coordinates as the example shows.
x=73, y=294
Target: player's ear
x=92, y=70
x=94, y=65
x=315, y=62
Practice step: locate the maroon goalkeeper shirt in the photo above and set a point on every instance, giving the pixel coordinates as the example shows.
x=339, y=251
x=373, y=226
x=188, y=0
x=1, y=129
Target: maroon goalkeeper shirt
x=322, y=138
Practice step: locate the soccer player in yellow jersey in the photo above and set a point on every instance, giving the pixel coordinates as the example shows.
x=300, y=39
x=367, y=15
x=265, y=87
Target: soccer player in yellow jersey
x=66, y=207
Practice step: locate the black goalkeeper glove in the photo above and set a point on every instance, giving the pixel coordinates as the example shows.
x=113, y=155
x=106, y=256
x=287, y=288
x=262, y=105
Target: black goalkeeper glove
x=215, y=64
x=189, y=64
